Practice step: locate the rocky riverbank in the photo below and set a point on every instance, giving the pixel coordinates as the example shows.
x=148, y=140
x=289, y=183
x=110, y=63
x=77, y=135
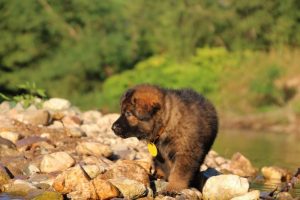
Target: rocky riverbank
x=59, y=152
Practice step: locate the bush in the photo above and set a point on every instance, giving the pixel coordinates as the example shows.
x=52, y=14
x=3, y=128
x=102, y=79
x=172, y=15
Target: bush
x=201, y=73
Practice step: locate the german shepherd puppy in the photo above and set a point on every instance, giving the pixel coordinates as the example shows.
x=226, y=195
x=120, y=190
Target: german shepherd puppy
x=181, y=123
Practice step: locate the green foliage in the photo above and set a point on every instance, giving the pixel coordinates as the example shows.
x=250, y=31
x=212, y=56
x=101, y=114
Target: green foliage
x=264, y=88
x=202, y=73
x=29, y=92
x=71, y=47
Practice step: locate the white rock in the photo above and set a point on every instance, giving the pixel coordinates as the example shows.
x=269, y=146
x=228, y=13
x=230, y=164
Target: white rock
x=253, y=195
x=57, y=161
x=94, y=148
x=56, y=104
x=91, y=117
x=130, y=189
x=92, y=170
x=91, y=130
x=12, y=136
x=224, y=187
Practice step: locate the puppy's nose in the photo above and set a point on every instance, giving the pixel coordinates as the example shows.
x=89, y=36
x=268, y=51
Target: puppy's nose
x=116, y=128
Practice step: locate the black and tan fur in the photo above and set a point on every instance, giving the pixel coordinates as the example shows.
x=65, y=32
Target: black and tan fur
x=182, y=124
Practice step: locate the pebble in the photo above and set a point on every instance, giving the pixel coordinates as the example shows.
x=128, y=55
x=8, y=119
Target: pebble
x=11, y=136
x=91, y=130
x=241, y=166
x=56, y=104
x=130, y=189
x=224, y=187
x=94, y=149
x=92, y=170
x=274, y=173
x=91, y=117
x=58, y=161
x=37, y=117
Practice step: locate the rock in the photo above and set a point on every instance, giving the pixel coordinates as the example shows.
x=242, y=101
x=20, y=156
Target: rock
x=225, y=187
x=71, y=121
x=284, y=196
x=94, y=148
x=45, y=179
x=92, y=170
x=241, y=166
x=56, y=104
x=192, y=194
x=274, y=173
x=253, y=195
x=91, y=117
x=4, y=177
x=31, y=169
x=6, y=144
x=11, y=136
x=58, y=161
x=75, y=132
x=49, y=195
x=37, y=117
x=15, y=164
x=130, y=189
x=129, y=170
x=28, y=142
x=56, y=125
x=104, y=189
x=71, y=180
x=102, y=162
x=19, y=187
x=91, y=130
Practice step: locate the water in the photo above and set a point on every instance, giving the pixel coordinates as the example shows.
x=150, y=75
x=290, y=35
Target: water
x=263, y=149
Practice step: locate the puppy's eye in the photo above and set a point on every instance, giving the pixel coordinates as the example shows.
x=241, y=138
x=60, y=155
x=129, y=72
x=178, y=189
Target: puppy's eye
x=128, y=114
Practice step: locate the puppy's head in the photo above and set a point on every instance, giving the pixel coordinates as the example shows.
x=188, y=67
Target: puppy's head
x=139, y=112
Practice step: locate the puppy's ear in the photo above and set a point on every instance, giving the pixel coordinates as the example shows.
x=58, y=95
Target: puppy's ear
x=126, y=97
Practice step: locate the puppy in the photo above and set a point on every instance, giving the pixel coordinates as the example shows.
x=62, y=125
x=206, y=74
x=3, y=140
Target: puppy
x=182, y=125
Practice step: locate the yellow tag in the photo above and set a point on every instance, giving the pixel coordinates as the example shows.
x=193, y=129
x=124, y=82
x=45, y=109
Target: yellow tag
x=152, y=149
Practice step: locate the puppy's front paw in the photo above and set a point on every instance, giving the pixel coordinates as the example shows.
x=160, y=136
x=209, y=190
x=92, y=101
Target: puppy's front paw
x=171, y=190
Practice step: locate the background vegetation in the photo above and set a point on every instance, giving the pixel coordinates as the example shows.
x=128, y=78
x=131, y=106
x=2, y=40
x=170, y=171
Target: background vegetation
x=233, y=51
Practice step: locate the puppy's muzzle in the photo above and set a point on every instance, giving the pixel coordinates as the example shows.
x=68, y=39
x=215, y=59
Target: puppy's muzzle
x=117, y=128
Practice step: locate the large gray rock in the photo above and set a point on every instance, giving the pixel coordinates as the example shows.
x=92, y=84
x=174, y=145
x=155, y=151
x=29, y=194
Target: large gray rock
x=57, y=161
x=224, y=187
